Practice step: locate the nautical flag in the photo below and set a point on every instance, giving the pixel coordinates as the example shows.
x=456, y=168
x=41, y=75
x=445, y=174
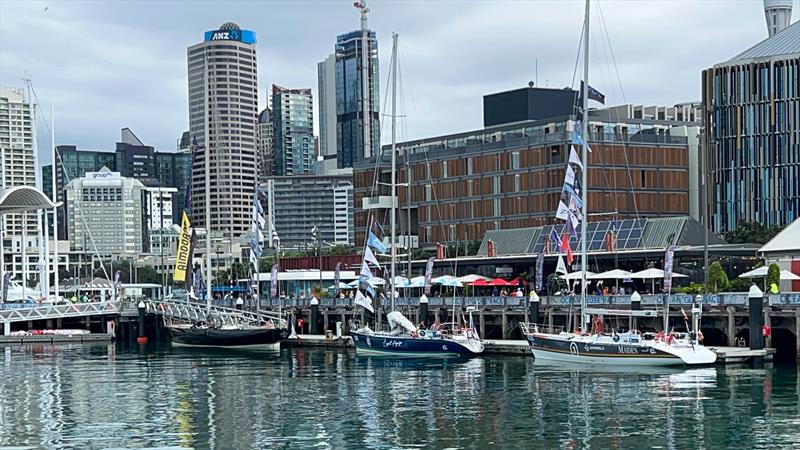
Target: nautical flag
x=363, y=301
x=378, y=229
x=376, y=243
x=576, y=133
x=560, y=267
x=571, y=225
x=370, y=257
x=273, y=281
x=365, y=273
x=428, y=274
x=610, y=241
x=668, y=260
x=539, y=271
x=565, y=247
x=554, y=236
x=593, y=94
x=336, y=277
x=573, y=157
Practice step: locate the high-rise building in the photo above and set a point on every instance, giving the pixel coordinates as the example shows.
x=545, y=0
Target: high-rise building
x=293, y=119
x=752, y=134
x=326, y=99
x=136, y=160
x=778, y=14
x=159, y=207
x=226, y=102
x=265, y=145
x=357, y=84
x=105, y=214
x=17, y=150
x=173, y=171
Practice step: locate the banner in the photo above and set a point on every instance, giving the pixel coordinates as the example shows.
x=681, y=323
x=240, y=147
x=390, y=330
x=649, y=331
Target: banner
x=192, y=245
x=336, y=277
x=539, y=271
x=116, y=278
x=573, y=157
x=182, y=258
x=6, y=282
x=668, y=268
x=428, y=275
x=273, y=282
x=363, y=301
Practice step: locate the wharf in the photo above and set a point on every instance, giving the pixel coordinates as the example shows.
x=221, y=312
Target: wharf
x=56, y=339
x=740, y=355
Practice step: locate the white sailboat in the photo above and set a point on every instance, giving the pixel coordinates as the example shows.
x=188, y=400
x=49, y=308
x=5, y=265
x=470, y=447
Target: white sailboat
x=597, y=347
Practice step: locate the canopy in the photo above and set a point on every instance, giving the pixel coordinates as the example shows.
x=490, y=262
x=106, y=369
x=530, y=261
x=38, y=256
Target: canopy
x=761, y=272
x=654, y=273
x=24, y=198
x=499, y=282
x=577, y=276
x=616, y=274
x=480, y=282
x=453, y=283
x=342, y=285
x=442, y=279
x=472, y=278
x=516, y=281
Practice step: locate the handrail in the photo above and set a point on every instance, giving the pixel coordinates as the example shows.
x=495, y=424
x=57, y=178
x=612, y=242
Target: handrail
x=58, y=311
x=222, y=316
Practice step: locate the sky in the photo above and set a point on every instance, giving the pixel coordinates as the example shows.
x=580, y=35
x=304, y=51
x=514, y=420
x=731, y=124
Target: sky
x=108, y=65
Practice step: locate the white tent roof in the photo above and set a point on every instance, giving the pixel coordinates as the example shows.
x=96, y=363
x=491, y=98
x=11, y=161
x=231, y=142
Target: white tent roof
x=616, y=274
x=787, y=240
x=577, y=276
x=654, y=273
x=761, y=272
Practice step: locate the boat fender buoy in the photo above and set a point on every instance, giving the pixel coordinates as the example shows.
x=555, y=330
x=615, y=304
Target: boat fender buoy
x=422, y=333
x=615, y=338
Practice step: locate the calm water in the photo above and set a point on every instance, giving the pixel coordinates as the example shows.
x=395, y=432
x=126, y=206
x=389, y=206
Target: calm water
x=105, y=397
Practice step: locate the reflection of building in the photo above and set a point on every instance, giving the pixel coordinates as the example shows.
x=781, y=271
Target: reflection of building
x=229, y=56
x=105, y=214
x=293, y=119
x=510, y=175
x=297, y=204
x=753, y=134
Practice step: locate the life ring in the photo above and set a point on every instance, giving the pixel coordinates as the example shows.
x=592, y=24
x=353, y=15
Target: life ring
x=423, y=333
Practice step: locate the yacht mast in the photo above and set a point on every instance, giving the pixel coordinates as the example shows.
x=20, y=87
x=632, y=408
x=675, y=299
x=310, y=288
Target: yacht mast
x=394, y=167
x=207, y=161
x=55, y=198
x=585, y=159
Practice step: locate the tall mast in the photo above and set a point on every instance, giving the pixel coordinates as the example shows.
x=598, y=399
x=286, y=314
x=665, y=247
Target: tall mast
x=55, y=199
x=585, y=159
x=366, y=59
x=394, y=165
x=207, y=161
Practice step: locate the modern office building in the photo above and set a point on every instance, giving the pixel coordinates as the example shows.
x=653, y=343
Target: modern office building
x=17, y=136
x=105, y=214
x=265, y=145
x=510, y=175
x=326, y=101
x=136, y=160
x=752, y=134
x=158, y=207
x=173, y=170
x=296, y=204
x=357, y=96
x=293, y=119
x=226, y=101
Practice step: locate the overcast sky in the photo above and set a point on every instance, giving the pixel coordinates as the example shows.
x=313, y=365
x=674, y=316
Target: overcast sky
x=109, y=65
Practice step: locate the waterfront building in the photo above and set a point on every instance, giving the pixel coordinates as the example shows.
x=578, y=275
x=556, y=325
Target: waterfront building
x=356, y=56
x=752, y=134
x=265, y=145
x=228, y=56
x=510, y=175
x=293, y=118
x=105, y=214
x=296, y=204
x=326, y=101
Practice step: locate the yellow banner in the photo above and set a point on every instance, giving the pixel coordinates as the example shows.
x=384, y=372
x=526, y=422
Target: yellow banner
x=182, y=258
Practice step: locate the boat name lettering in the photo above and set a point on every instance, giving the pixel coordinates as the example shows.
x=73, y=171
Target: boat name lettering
x=392, y=344
x=625, y=350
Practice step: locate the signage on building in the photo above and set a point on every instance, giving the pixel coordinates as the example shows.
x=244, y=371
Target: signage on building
x=102, y=175
x=246, y=36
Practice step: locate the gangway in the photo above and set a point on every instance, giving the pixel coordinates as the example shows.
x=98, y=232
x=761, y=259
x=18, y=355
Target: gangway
x=46, y=312
x=219, y=315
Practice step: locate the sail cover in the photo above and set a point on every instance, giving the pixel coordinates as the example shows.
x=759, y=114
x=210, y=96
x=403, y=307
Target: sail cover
x=397, y=319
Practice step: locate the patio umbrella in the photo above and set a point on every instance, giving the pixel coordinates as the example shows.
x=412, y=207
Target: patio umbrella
x=499, y=282
x=654, y=274
x=442, y=279
x=762, y=272
x=616, y=275
x=576, y=276
x=342, y=285
x=472, y=278
x=480, y=282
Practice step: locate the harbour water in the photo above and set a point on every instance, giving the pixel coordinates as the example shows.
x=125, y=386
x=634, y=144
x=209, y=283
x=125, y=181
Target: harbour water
x=107, y=396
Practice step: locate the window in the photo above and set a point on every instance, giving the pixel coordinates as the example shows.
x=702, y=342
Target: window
x=496, y=184
x=469, y=166
x=428, y=196
x=516, y=183
x=514, y=160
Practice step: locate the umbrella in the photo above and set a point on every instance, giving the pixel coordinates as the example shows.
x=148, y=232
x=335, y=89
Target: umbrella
x=616, y=274
x=342, y=285
x=453, y=283
x=472, y=278
x=654, y=274
x=442, y=279
x=576, y=276
x=480, y=282
x=400, y=281
x=516, y=281
x=762, y=272
x=417, y=282
x=499, y=282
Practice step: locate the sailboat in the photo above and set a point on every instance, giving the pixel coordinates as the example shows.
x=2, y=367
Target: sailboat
x=404, y=338
x=633, y=348
x=255, y=334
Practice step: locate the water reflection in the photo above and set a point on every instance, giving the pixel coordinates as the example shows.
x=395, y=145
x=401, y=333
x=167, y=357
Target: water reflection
x=109, y=397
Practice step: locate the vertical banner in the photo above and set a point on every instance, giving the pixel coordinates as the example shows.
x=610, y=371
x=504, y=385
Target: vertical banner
x=182, y=258
x=190, y=264
x=668, y=258
x=6, y=281
x=539, y=271
x=273, y=282
x=428, y=275
x=336, y=277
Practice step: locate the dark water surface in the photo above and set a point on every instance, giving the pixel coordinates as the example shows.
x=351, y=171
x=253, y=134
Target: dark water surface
x=96, y=397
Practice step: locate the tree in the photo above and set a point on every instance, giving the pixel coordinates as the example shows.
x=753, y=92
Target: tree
x=739, y=285
x=693, y=288
x=751, y=233
x=773, y=275
x=717, y=278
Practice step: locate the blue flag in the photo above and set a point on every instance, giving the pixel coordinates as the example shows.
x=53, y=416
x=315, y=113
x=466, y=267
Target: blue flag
x=375, y=243
x=554, y=236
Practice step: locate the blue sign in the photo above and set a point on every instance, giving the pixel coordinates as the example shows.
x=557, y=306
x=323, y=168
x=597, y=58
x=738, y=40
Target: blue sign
x=245, y=36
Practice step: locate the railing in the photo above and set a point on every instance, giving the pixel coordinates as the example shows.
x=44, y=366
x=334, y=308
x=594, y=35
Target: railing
x=219, y=315
x=45, y=312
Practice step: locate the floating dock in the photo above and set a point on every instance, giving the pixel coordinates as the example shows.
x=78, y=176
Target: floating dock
x=56, y=339
x=741, y=355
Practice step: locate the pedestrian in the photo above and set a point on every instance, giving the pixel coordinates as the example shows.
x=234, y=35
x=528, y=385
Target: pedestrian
x=519, y=293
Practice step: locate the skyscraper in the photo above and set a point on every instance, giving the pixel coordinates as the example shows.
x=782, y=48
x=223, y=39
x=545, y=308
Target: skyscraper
x=230, y=106
x=326, y=99
x=357, y=94
x=265, y=145
x=16, y=146
x=136, y=160
x=293, y=119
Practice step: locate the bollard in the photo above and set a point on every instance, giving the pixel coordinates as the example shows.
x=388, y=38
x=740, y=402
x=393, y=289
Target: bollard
x=142, y=339
x=423, y=310
x=239, y=303
x=314, y=319
x=756, y=304
x=533, y=307
x=636, y=305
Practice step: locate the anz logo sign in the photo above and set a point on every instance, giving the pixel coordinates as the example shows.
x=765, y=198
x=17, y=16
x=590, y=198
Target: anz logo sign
x=232, y=35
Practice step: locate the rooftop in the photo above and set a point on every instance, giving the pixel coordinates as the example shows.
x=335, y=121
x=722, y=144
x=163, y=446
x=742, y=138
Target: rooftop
x=784, y=44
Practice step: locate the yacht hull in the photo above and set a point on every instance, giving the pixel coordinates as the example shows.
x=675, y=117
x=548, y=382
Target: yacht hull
x=255, y=338
x=376, y=344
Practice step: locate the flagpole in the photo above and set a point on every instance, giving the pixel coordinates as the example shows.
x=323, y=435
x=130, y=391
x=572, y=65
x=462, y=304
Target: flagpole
x=585, y=158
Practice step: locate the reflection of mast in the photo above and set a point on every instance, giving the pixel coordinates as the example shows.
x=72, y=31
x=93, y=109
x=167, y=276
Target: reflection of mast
x=366, y=54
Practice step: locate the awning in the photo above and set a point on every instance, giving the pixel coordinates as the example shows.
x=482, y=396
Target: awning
x=24, y=198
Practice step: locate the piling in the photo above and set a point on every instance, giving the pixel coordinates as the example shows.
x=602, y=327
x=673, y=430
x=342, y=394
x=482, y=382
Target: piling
x=756, y=304
x=142, y=339
x=314, y=319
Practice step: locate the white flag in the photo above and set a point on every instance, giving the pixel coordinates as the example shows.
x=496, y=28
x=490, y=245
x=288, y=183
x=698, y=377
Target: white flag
x=573, y=157
x=363, y=301
x=370, y=257
x=561, y=267
x=569, y=177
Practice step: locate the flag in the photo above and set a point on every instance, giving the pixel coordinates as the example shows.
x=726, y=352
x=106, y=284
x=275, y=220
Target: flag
x=576, y=133
x=370, y=257
x=6, y=282
x=610, y=241
x=365, y=273
x=378, y=229
x=593, y=94
x=182, y=258
x=560, y=267
x=573, y=157
x=668, y=259
x=273, y=281
x=336, y=277
x=428, y=274
x=554, y=236
x=376, y=243
x=363, y=301
x=539, y=271
x=571, y=225
x=566, y=248
x=116, y=278
x=192, y=245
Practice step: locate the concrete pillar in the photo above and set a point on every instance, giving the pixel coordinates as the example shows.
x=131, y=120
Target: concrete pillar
x=533, y=309
x=142, y=337
x=7, y=328
x=550, y=322
x=636, y=305
x=504, y=325
x=423, y=310
x=325, y=321
x=756, y=306
x=313, y=323
x=482, y=324
x=731, y=331
x=768, y=322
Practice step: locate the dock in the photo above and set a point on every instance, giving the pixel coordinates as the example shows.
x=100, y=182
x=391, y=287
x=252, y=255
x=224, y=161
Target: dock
x=56, y=339
x=741, y=355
